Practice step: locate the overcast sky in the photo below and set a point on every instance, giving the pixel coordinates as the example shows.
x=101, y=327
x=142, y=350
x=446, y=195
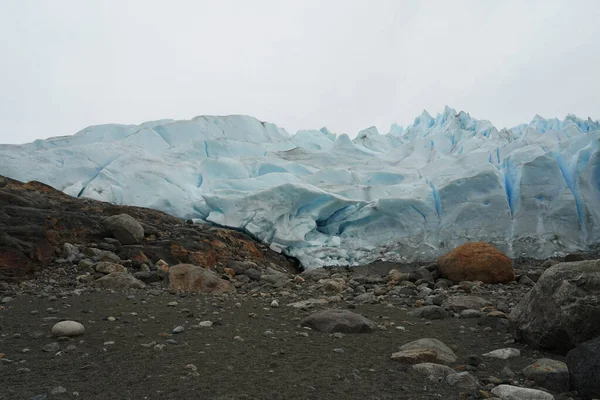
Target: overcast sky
x=304, y=64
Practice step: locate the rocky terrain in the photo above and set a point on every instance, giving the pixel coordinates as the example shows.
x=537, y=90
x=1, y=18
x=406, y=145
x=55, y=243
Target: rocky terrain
x=109, y=302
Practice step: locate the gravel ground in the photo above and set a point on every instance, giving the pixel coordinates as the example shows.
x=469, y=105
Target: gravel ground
x=251, y=351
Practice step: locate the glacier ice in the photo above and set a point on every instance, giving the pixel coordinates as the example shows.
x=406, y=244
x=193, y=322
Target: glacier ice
x=532, y=190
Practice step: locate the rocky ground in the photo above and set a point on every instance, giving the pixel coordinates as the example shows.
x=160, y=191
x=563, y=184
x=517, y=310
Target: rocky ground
x=160, y=309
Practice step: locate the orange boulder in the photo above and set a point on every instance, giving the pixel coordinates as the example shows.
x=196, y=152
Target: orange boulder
x=476, y=261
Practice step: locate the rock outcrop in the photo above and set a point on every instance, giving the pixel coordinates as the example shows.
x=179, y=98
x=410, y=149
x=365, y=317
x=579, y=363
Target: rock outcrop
x=36, y=221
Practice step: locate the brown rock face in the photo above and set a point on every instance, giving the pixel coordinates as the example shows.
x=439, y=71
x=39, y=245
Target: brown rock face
x=191, y=278
x=476, y=261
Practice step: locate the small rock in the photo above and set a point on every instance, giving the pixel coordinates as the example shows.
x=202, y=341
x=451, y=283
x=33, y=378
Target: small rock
x=508, y=392
x=333, y=320
x=415, y=356
x=274, y=304
x=429, y=312
x=462, y=380
x=178, y=329
x=58, y=390
x=68, y=328
x=51, y=347
x=437, y=371
x=503, y=354
x=549, y=374
x=206, y=324
x=443, y=353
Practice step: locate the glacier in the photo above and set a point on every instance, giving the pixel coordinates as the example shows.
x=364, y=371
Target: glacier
x=413, y=193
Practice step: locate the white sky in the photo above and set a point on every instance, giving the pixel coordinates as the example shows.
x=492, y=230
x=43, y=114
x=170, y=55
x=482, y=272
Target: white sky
x=304, y=64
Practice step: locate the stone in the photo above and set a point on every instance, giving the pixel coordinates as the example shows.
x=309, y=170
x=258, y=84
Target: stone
x=584, y=368
x=147, y=276
x=191, y=278
x=503, y=354
x=119, y=281
x=550, y=374
x=68, y=328
x=562, y=310
x=366, y=298
x=332, y=285
x=476, y=261
x=108, y=267
x=274, y=304
x=315, y=274
x=443, y=352
x=463, y=380
x=509, y=392
x=58, y=390
x=308, y=303
x=415, y=356
x=70, y=252
x=51, y=347
x=429, y=312
x=178, y=329
x=437, y=371
x=205, y=324
x=334, y=320
x=459, y=303
x=469, y=313
x=102, y=255
x=124, y=228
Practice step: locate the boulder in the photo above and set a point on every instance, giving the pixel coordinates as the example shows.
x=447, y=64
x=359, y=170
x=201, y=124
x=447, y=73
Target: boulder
x=415, y=356
x=584, y=368
x=106, y=267
x=119, y=281
x=436, y=371
x=508, y=392
x=549, y=374
x=460, y=303
x=463, y=380
x=429, y=312
x=334, y=320
x=124, y=228
x=562, y=310
x=68, y=328
x=476, y=261
x=192, y=278
x=443, y=352
x=503, y=354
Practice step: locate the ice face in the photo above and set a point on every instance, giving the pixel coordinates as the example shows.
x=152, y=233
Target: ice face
x=326, y=199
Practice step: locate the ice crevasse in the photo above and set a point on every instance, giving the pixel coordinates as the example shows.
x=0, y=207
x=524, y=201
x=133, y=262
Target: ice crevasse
x=414, y=193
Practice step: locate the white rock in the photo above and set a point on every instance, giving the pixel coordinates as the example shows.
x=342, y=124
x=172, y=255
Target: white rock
x=68, y=328
x=503, y=354
x=206, y=324
x=274, y=304
x=508, y=392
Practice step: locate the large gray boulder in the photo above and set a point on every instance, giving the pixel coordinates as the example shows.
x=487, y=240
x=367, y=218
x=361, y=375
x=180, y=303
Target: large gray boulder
x=584, y=368
x=563, y=308
x=333, y=320
x=124, y=228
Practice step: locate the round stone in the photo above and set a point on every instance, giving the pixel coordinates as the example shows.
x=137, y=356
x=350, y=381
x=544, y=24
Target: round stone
x=68, y=328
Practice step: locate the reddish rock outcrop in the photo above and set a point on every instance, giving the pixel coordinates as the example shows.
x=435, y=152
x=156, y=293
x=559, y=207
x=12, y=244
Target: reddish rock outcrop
x=476, y=261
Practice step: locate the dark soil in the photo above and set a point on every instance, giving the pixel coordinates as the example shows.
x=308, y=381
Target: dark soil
x=284, y=366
